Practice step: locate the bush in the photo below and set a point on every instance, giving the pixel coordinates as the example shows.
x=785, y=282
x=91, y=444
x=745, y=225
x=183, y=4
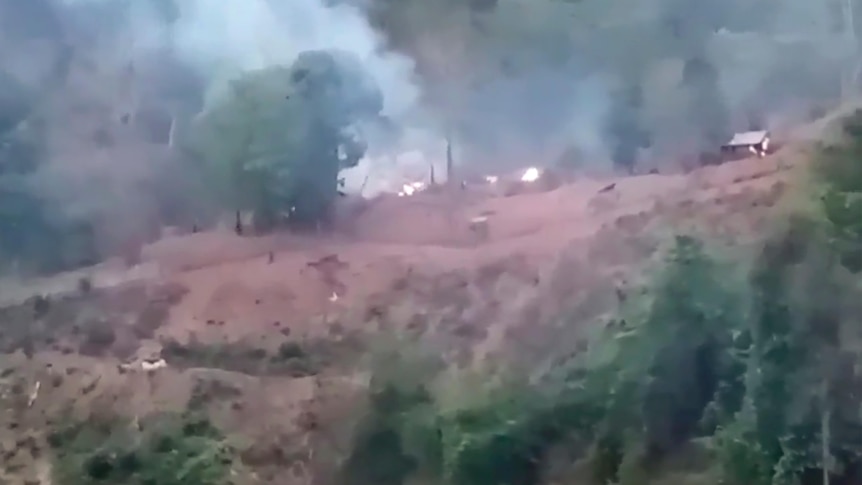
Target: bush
x=646, y=387
x=180, y=450
x=839, y=175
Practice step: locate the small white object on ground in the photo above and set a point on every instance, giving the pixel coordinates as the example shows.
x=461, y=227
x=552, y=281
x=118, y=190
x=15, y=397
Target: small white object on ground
x=34, y=394
x=153, y=365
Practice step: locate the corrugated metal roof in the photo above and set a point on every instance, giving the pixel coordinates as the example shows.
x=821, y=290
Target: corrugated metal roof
x=748, y=138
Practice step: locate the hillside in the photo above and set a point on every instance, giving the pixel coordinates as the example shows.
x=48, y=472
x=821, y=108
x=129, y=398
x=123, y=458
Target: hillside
x=267, y=336
x=195, y=290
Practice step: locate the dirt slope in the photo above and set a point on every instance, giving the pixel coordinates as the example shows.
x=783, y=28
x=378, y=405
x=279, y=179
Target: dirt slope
x=222, y=310
x=425, y=237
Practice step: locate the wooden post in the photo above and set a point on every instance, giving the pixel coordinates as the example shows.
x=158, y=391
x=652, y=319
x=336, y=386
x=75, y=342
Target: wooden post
x=172, y=133
x=450, y=172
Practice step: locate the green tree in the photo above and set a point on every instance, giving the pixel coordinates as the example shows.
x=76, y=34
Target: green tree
x=277, y=140
x=167, y=450
x=839, y=174
x=800, y=417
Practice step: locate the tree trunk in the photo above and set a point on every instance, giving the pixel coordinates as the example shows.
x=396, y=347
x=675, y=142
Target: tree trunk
x=825, y=419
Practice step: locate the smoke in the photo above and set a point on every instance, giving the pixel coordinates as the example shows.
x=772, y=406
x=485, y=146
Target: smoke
x=506, y=122
x=252, y=34
x=533, y=118
x=221, y=37
x=503, y=81
x=523, y=82
x=512, y=84
x=502, y=123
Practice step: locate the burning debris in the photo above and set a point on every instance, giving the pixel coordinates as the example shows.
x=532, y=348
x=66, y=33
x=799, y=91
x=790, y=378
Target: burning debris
x=412, y=189
x=531, y=175
x=517, y=181
x=754, y=142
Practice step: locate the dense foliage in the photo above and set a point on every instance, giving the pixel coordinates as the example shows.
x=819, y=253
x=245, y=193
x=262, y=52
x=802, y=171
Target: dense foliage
x=167, y=450
x=750, y=362
x=277, y=141
x=839, y=174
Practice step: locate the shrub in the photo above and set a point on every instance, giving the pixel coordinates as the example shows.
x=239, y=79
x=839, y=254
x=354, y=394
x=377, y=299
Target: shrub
x=173, y=450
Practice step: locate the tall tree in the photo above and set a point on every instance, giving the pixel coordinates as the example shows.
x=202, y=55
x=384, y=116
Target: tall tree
x=280, y=136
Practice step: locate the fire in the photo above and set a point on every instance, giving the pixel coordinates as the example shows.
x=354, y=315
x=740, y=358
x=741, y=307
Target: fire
x=530, y=175
x=761, y=149
x=411, y=189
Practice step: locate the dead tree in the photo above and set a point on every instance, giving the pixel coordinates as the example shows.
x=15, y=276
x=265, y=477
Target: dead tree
x=450, y=175
x=238, y=226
